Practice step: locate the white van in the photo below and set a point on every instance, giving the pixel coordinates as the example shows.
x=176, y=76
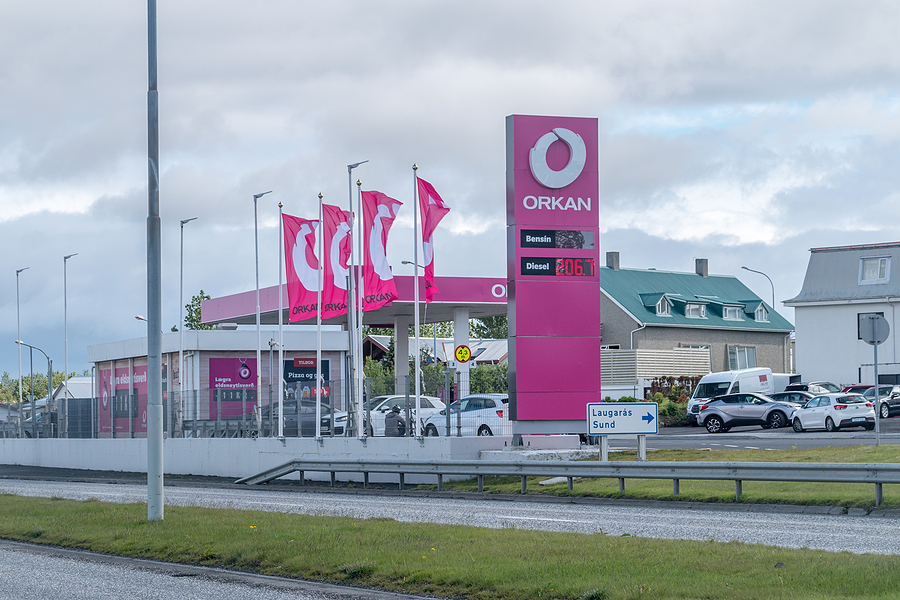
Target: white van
x=758, y=380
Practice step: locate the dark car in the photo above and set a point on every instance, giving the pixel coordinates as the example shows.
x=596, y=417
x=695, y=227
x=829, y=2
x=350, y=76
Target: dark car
x=816, y=387
x=306, y=418
x=797, y=398
x=724, y=412
x=889, y=396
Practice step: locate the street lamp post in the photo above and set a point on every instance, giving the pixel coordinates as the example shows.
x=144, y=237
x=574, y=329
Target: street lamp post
x=181, y=324
x=353, y=323
x=770, y=283
x=49, y=384
x=18, y=335
x=258, y=334
x=64, y=408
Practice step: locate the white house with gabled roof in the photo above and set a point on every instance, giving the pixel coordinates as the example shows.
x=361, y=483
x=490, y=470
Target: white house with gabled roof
x=843, y=285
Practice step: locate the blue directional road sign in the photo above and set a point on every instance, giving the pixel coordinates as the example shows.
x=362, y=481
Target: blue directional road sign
x=622, y=418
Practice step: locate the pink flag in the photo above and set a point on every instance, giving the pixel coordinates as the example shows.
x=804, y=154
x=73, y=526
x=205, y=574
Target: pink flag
x=336, y=223
x=302, y=266
x=379, y=212
x=433, y=210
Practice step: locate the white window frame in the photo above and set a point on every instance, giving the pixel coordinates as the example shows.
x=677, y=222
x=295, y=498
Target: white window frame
x=884, y=270
x=693, y=307
x=741, y=357
x=761, y=314
x=732, y=313
x=662, y=307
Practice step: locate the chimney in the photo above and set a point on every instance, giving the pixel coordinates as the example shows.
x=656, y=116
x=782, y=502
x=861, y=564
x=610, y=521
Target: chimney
x=612, y=260
x=701, y=266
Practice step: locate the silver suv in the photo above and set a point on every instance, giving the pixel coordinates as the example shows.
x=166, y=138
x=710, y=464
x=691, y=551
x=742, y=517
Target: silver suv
x=724, y=412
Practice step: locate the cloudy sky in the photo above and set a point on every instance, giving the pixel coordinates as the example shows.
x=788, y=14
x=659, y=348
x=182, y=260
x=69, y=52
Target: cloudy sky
x=745, y=133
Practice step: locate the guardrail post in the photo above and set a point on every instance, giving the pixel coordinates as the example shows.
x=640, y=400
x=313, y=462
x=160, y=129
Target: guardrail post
x=301, y=477
x=401, y=481
x=440, y=482
x=878, y=496
x=481, y=483
x=524, y=483
x=366, y=480
x=569, y=483
x=676, y=487
x=621, y=484
x=332, y=479
x=738, y=489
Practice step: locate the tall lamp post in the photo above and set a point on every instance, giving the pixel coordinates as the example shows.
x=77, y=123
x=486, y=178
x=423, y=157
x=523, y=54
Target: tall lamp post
x=258, y=334
x=18, y=335
x=64, y=409
x=353, y=322
x=49, y=384
x=181, y=324
x=770, y=283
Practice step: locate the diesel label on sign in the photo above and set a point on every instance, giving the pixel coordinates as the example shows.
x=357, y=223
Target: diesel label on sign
x=538, y=266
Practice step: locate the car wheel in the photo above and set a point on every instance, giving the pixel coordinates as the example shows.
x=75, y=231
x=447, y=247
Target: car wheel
x=797, y=426
x=829, y=425
x=714, y=425
x=485, y=430
x=431, y=431
x=885, y=411
x=869, y=427
x=777, y=420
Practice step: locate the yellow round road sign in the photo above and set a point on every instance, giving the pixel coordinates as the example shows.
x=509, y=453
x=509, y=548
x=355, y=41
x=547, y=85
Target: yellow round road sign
x=463, y=353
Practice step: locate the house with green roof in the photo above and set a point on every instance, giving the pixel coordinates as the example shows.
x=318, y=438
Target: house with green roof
x=662, y=310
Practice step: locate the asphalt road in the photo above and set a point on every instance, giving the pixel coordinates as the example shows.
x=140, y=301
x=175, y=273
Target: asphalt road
x=827, y=528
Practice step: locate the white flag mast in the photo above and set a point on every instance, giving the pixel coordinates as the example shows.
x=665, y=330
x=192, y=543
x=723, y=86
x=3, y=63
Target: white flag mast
x=318, y=330
x=416, y=287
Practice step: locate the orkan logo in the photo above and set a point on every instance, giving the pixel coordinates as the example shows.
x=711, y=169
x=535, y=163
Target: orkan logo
x=537, y=159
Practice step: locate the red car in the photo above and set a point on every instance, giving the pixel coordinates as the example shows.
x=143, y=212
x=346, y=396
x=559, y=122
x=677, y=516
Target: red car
x=856, y=388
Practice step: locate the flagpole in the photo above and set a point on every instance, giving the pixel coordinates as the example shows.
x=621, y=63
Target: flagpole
x=362, y=432
x=280, y=324
x=319, y=330
x=416, y=289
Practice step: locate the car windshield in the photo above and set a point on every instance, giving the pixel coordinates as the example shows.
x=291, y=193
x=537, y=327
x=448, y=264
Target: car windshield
x=376, y=402
x=851, y=399
x=711, y=390
x=883, y=390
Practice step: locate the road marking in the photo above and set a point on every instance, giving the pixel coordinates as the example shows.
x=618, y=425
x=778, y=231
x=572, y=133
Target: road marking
x=731, y=446
x=544, y=519
x=751, y=447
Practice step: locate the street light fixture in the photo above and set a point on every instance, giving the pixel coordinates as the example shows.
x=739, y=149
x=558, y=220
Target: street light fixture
x=49, y=383
x=258, y=334
x=18, y=335
x=64, y=409
x=770, y=283
x=181, y=323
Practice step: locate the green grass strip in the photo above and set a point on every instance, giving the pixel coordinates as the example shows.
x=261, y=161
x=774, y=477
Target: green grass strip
x=761, y=492
x=451, y=561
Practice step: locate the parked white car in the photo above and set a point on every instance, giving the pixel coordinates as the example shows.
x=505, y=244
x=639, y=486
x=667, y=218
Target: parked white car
x=380, y=406
x=834, y=411
x=482, y=414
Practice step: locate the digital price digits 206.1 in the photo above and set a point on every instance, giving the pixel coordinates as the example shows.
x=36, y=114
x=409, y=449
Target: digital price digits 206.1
x=558, y=267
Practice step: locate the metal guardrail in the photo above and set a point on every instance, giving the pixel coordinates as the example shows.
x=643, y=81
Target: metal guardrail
x=877, y=474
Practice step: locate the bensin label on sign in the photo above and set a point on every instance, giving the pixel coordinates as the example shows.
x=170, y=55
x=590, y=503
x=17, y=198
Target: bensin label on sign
x=622, y=418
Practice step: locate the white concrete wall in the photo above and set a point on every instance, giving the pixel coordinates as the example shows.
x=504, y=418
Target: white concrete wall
x=827, y=347
x=243, y=457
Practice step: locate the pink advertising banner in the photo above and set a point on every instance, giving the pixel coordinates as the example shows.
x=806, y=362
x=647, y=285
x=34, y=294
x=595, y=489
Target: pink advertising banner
x=336, y=227
x=379, y=212
x=232, y=386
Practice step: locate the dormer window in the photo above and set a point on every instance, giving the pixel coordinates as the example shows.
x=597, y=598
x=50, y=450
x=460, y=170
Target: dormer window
x=874, y=269
x=696, y=311
x=761, y=314
x=732, y=313
x=662, y=307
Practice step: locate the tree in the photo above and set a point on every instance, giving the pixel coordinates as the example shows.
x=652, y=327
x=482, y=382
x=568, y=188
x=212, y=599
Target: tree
x=489, y=328
x=192, y=316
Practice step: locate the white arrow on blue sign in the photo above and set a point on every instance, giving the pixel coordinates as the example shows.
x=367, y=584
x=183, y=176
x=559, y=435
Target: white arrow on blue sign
x=622, y=418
